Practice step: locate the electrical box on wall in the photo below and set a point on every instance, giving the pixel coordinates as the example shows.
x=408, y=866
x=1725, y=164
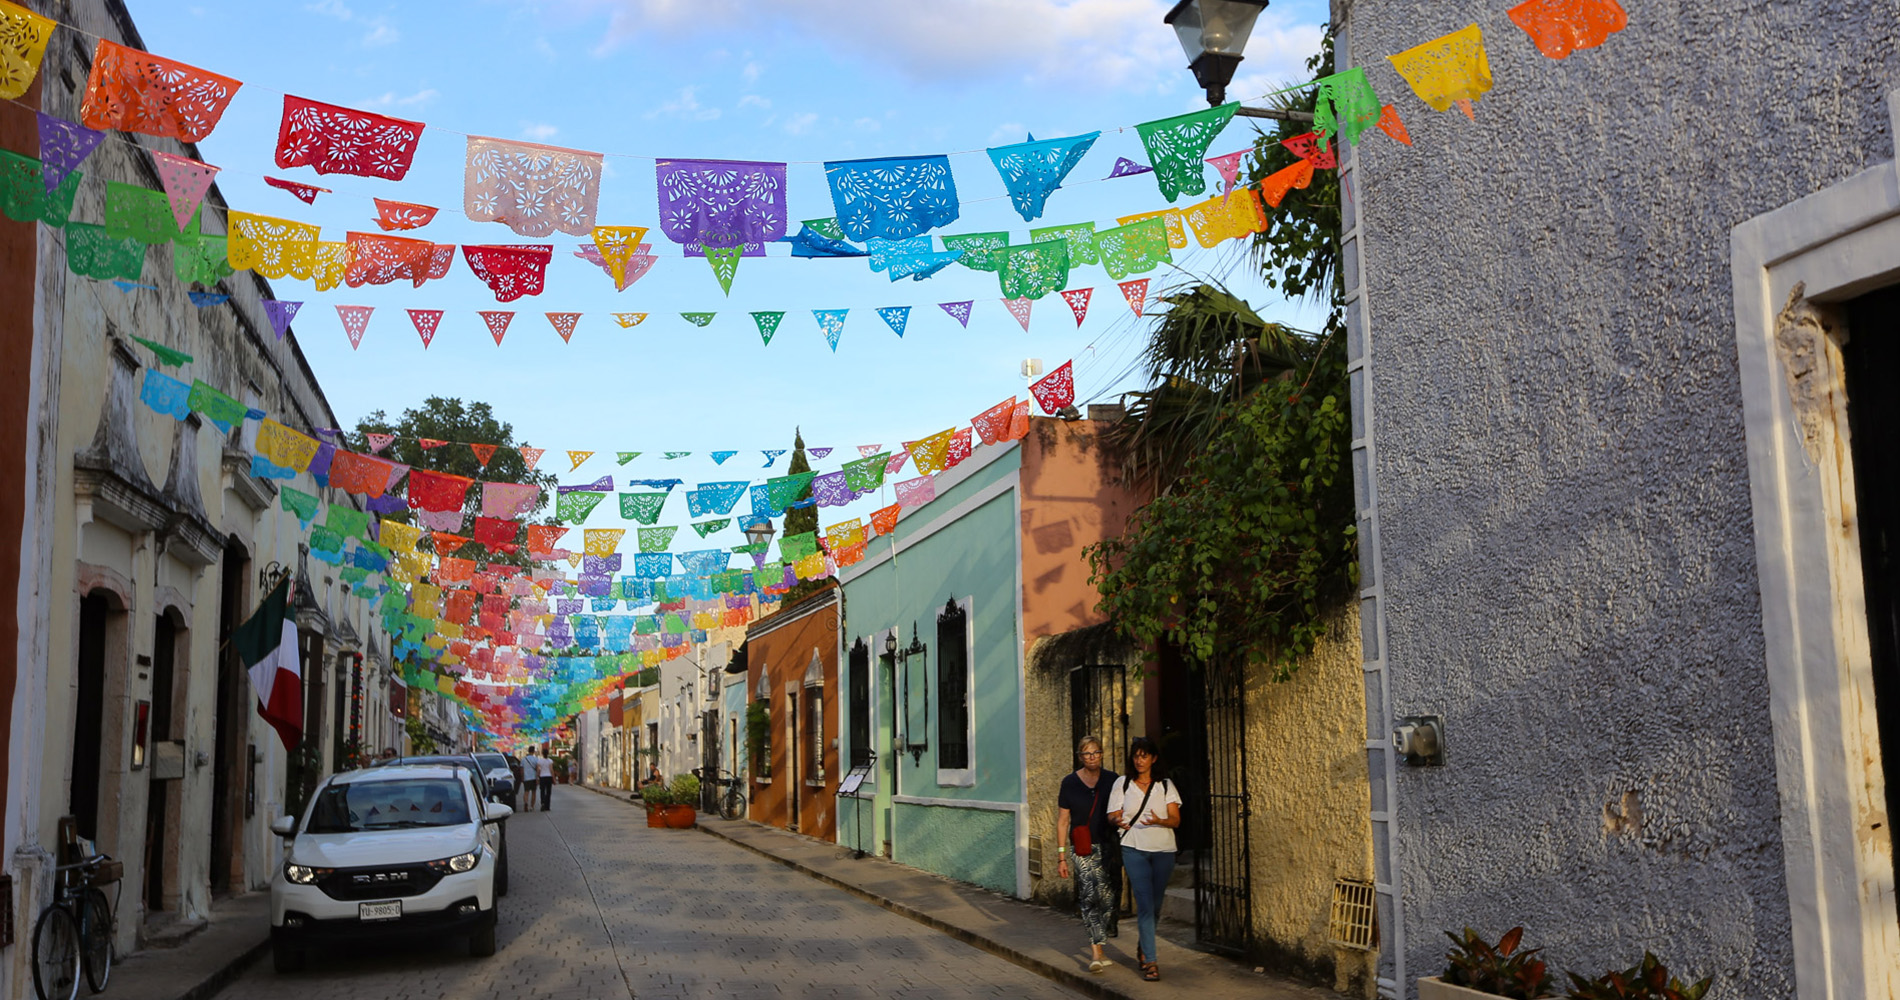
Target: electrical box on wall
x=168, y=760
x=1420, y=739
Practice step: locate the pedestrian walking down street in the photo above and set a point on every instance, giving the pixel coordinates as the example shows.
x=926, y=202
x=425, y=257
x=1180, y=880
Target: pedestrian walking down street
x=545, y=766
x=1146, y=808
x=530, y=779
x=1082, y=827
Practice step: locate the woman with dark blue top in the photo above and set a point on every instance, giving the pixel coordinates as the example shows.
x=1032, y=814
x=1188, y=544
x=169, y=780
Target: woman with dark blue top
x=1083, y=803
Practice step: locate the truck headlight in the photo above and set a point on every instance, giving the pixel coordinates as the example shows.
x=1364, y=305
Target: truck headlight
x=458, y=864
x=303, y=874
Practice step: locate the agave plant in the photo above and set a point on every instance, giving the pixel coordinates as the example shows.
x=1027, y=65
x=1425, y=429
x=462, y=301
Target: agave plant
x=1647, y=980
x=1501, y=970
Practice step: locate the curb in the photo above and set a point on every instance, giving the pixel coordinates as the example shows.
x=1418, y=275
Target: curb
x=1086, y=984
x=213, y=984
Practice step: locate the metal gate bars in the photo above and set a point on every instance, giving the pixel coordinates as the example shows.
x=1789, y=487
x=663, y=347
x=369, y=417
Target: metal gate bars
x=1223, y=879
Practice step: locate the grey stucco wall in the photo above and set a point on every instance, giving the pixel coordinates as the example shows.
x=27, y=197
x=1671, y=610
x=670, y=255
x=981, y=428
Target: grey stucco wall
x=1565, y=543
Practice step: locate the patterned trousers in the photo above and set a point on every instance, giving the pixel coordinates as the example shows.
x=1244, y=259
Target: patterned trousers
x=1092, y=894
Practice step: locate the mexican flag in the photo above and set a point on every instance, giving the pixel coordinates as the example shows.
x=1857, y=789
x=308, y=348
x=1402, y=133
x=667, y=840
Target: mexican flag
x=267, y=643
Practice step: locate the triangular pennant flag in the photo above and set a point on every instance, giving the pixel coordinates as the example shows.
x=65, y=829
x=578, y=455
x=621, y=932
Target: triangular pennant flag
x=818, y=452
x=1464, y=105
x=1136, y=292
x=1056, y=389
x=577, y=457
x=483, y=452
x=306, y=193
x=768, y=323
x=1019, y=308
x=960, y=311
x=1447, y=69
x=63, y=146
x=896, y=316
x=280, y=314
x=529, y=456
x=394, y=215
x=1229, y=167
x=617, y=245
x=867, y=450
x=428, y=444
x=1125, y=167
x=128, y=287
x=1078, y=300
x=1560, y=27
x=1306, y=147
x=165, y=356
x=203, y=299
x=698, y=319
x=628, y=321
x=185, y=182
x=497, y=323
x=725, y=264
x=1298, y=174
x=1392, y=125
x=770, y=457
x=832, y=322
x=719, y=457
x=426, y=321
x=626, y=456
x=671, y=455
x=564, y=325
x=355, y=322
x=377, y=442
x=708, y=527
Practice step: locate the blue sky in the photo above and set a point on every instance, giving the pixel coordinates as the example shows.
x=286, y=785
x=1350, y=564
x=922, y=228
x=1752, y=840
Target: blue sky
x=794, y=80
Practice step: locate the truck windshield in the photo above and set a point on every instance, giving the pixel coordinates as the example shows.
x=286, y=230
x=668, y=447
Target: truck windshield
x=388, y=805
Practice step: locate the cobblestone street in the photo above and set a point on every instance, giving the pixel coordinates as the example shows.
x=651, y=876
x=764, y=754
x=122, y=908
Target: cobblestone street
x=602, y=907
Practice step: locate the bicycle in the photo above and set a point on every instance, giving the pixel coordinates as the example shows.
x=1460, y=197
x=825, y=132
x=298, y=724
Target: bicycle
x=76, y=931
x=732, y=802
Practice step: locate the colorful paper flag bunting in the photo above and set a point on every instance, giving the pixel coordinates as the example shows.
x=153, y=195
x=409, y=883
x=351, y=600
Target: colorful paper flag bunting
x=1125, y=167
x=896, y=317
x=705, y=528
x=426, y=321
x=867, y=450
x=1136, y=292
x=1307, y=147
x=203, y=299
x=617, y=245
x=1229, y=166
x=577, y=457
x=564, y=325
x=1078, y=300
x=64, y=145
x=1560, y=27
x=768, y=324
x=1392, y=125
x=916, y=492
x=280, y=314
x=698, y=319
x=531, y=455
x=626, y=456
x=430, y=444
x=992, y=425
x=497, y=323
x=671, y=455
x=719, y=457
x=628, y=321
x=483, y=452
x=185, y=182
x=394, y=215
x=355, y=322
x=23, y=38
x=725, y=264
x=1298, y=174
x=770, y=457
x=959, y=311
x=818, y=452
x=1447, y=70
x=1056, y=389
x=1020, y=308
x=377, y=442
x=831, y=321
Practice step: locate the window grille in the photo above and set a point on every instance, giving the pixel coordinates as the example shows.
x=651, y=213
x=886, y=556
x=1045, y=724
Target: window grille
x=953, y=702
x=1352, y=925
x=860, y=683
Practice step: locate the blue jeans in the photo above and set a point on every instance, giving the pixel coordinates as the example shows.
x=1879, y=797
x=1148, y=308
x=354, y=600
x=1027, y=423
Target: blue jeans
x=1148, y=873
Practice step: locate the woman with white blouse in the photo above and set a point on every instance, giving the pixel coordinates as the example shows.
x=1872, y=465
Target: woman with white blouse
x=1147, y=808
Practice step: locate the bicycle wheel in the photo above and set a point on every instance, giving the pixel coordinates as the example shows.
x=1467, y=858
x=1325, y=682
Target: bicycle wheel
x=56, y=955
x=95, y=940
x=732, y=804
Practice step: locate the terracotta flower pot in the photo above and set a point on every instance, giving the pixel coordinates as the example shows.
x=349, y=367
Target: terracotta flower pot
x=656, y=817
x=682, y=817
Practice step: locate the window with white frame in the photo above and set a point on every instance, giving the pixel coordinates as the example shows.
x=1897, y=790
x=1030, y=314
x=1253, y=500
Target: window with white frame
x=953, y=687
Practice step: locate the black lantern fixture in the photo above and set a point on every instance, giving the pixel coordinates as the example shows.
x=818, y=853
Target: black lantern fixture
x=1214, y=34
x=759, y=532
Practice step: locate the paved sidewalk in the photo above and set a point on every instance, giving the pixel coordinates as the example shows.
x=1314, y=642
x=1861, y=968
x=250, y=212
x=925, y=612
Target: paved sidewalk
x=1042, y=940
x=239, y=933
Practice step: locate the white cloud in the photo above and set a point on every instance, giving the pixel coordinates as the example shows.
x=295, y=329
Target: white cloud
x=420, y=99
x=1119, y=44
x=539, y=131
x=379, y=31
x=755, y=101
x=800, y=124
x=686, y=106
x=750, y=74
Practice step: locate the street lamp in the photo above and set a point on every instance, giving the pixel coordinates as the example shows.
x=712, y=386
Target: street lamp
x=1214, y=34
x=759, y=532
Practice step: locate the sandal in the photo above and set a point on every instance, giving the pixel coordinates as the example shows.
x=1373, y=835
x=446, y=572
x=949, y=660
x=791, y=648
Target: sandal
x=1099, y=965
x=1151, y=972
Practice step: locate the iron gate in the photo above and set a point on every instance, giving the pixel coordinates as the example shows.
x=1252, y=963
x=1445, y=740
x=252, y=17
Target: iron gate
x=1098, y=706
x=709, y=760
x=1218, y=808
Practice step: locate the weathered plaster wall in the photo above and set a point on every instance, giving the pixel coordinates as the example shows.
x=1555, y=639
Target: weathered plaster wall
x=1071, y=500
x=1306, y=773
x=1567, y=557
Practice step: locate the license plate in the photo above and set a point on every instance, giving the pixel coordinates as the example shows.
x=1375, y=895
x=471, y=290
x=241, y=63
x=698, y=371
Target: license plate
x=391, y=910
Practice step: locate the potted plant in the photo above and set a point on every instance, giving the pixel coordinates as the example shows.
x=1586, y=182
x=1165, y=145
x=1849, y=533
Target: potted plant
x=683, y=812
x=1475, y=969
x=1647, y=980
x=658, y=799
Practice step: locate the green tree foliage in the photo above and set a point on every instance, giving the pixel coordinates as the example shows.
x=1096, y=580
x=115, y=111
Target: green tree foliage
x=801, y=520
x=1245, y=438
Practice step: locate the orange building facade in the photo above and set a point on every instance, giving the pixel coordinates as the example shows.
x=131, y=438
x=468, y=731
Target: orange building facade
x=792, y=674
